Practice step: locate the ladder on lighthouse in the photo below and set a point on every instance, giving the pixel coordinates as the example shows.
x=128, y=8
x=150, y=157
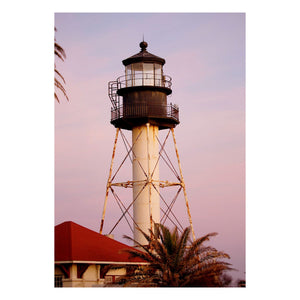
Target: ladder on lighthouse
x=112, y=93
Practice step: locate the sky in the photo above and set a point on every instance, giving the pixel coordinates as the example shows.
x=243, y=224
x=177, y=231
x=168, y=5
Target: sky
x=205, y=56
x=84, y=136
x=272, y=130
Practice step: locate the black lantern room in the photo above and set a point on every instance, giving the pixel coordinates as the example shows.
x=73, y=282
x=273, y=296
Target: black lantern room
x=140, y=96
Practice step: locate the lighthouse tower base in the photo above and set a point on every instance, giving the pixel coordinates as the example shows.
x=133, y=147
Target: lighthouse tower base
x=148, y=206
x=145, y=175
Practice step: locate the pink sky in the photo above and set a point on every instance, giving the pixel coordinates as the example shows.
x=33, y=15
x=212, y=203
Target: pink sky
x=205, y=56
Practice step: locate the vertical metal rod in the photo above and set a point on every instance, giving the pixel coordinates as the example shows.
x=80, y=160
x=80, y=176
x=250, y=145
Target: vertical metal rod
x=120, y=204
x=170, y=207
x=149, y=181
x=126, y=144
x=183, y=186
x=109, y=180
x=165, y=213
x=161, y=149
x=126, y=211
x=128, y=154
x=170, y=165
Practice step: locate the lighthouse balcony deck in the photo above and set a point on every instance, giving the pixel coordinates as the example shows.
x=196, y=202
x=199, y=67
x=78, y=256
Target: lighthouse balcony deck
x=128, y=116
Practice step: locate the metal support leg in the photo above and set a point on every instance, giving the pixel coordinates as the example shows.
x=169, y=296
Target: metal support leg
x=183, y=186
x=149, y=181
x=109, y=180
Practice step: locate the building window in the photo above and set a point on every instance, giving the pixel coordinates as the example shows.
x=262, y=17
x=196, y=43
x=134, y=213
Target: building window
x=58, y=281
x=110, y=278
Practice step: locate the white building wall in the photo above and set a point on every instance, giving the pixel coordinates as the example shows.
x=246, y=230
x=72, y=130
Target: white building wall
x=91, y=276
x=72, y=281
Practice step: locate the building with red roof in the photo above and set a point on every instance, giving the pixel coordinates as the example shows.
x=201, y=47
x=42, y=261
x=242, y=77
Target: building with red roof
x=83, y=258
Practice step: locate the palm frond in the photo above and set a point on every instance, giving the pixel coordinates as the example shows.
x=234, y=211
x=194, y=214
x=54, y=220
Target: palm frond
x=60, y=53
x=56, y=72
x=176, y=261
x=61, y=88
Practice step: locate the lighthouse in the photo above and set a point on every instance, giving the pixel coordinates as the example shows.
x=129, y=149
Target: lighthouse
x=139, y=104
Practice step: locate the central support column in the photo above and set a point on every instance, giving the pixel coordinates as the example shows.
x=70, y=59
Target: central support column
x=145, y=172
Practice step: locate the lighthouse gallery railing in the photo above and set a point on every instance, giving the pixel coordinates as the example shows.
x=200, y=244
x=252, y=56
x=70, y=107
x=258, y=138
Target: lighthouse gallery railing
x=144, y=79
x=145, y=110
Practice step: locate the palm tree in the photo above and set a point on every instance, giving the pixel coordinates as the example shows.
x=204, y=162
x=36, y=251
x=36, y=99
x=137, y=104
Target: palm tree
x=60, y=53
x=176, y=261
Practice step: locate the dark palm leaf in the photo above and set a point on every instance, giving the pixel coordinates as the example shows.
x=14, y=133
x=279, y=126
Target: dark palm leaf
x=176, y=261
x=60, y=86
x=60, y=53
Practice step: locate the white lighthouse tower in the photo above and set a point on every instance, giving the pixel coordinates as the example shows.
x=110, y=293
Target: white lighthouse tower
x=139, y=104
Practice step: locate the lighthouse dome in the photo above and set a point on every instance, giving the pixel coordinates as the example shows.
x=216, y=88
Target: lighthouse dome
x=143, y=56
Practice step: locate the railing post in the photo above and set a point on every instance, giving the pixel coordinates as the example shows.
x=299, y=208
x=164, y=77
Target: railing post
x=145, y=110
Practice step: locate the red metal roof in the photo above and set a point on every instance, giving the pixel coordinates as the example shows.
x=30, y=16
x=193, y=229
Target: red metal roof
x=77, y=243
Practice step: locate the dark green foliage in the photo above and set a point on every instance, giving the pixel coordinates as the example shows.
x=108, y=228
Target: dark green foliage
x=60, y=53
x=175, y=261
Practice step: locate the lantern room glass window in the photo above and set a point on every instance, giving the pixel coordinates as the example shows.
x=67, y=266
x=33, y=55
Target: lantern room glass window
x=158, y=74
x=138, y=74
x=128, y=76
x=137, y=71
x=148, y=71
